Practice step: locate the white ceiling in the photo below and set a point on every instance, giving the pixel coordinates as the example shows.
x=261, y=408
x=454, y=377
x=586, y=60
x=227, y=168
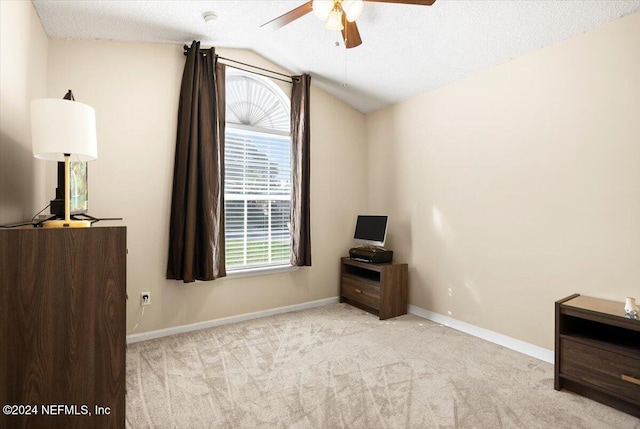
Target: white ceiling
x=406, y=49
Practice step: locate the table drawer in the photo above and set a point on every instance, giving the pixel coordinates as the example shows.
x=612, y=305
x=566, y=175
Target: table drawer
x=601, y=368
x=361, y=291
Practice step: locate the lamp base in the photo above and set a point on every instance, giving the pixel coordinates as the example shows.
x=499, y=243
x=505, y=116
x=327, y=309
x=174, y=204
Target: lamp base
x=66, y=224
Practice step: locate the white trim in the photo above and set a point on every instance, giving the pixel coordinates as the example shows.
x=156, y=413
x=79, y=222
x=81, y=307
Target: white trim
x=494, y=337
x=227, y=320
x=485, y=334
x=260, y=271
x=257, y=130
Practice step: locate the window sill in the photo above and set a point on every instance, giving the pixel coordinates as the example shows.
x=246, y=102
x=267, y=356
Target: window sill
x=260, y=271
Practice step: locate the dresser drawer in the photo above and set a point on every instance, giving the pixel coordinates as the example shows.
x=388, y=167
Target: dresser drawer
x=601, y=368
x=362, y=291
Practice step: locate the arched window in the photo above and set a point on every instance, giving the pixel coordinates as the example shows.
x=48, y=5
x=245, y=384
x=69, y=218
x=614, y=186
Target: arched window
x=257, y=173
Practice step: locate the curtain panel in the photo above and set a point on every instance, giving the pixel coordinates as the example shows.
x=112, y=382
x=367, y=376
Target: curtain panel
x=300, y=171
x=196, y=230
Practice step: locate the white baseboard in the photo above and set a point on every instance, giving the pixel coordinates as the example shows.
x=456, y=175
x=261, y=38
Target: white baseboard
x=494, y=337
x=227, y=320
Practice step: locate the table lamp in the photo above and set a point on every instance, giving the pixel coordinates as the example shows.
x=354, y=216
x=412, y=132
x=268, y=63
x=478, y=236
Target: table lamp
x=61, y=128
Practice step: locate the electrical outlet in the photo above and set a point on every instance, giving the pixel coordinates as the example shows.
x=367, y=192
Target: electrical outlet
x=145, y=298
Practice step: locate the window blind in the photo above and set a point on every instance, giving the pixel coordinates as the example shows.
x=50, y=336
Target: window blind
x=257, y=198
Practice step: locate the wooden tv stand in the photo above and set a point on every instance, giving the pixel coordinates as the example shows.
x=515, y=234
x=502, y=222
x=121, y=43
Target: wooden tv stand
x=598, y=352
x=380, y=289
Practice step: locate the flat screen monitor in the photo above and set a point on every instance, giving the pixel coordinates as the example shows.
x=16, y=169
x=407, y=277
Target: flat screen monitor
x=371, y=230
x=78, y=189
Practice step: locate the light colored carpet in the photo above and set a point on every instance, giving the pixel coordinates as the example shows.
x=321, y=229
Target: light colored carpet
x=339, y=367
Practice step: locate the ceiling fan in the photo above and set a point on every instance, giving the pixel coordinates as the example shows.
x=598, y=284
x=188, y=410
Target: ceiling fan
x=339, y=15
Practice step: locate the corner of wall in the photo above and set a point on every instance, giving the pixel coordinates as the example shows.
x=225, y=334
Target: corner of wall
x=23, y=78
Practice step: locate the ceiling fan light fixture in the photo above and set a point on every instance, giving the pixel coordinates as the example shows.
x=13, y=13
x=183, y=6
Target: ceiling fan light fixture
x=335, y=20
x=353, y=9
x=322, y=8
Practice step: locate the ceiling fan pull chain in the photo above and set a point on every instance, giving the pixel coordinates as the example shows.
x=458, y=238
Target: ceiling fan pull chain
x=345, y=66
x=346, y=39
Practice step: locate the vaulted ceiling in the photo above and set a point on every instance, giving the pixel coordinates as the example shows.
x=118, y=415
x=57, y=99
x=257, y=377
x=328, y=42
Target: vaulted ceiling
x=406, y=49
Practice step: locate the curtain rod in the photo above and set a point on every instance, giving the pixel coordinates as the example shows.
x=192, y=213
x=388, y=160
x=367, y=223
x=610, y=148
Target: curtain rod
x=187, y=48
x=258, y=73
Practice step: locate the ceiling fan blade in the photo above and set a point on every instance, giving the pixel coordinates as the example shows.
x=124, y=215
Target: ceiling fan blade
x=416, y=2
x=351, y=35
x=288, y=17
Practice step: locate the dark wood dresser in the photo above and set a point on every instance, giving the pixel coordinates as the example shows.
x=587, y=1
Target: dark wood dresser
x=380, y=289
x=597, y=352
x=63, y=327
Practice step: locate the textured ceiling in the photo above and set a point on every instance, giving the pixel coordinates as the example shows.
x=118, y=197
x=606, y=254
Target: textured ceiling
x=406, y=50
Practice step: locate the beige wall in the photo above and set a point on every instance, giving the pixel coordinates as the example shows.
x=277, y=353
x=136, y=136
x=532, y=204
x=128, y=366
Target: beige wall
x=507, y=190
x=134, y=88
x=518, y=186
x=23, y=78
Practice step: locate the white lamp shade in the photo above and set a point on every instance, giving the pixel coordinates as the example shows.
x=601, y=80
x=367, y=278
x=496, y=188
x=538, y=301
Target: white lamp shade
x=322, y=8
x=353, y=9
x=335, y=21
x=61, y=126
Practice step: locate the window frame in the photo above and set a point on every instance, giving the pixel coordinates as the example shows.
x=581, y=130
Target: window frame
x=269, y=268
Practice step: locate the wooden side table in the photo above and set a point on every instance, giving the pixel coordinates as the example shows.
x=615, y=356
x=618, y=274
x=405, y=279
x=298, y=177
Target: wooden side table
x=598, y=352
x=380, y=289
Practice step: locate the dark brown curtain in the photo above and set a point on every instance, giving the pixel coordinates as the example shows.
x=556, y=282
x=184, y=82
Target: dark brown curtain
x=196, y=232
x=301, y=172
